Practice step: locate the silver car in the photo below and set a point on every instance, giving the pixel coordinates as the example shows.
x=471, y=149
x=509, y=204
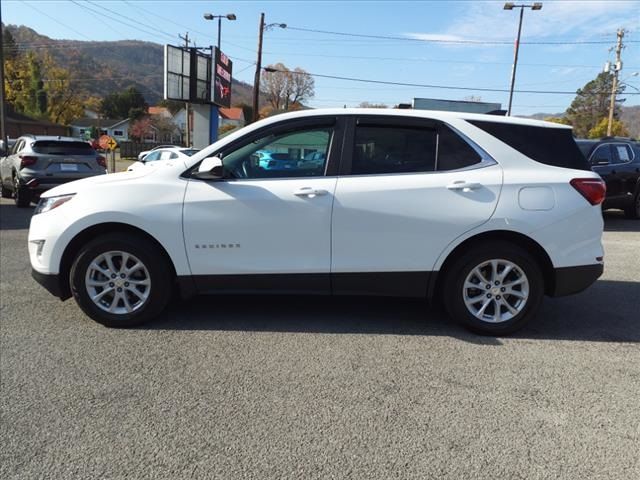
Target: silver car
x=38, y=163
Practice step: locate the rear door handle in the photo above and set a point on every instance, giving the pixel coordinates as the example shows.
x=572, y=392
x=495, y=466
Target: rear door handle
x=309, y=192
x=464, y=186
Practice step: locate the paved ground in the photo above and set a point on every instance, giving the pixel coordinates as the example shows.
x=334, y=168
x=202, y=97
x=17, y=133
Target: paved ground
x=319, y=388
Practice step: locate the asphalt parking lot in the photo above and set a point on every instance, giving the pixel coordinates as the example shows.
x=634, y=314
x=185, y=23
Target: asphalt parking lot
x=246, y=387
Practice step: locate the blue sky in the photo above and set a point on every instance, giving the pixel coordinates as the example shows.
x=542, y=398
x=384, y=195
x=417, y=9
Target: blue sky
x=557, y=67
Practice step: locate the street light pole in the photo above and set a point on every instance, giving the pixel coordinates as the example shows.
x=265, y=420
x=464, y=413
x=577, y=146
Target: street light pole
x=256, y=79
x=511, y=6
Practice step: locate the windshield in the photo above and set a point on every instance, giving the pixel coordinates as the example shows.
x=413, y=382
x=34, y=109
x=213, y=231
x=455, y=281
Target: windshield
x=57, y=147
x=189, y=152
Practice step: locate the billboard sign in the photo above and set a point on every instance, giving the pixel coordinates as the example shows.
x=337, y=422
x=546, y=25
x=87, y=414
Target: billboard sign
x=177, y=73
x=221, y=85
x=187, y=75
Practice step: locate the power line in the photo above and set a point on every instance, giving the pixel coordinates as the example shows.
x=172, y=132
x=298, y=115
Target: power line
x=452, y=41
x=419, y=85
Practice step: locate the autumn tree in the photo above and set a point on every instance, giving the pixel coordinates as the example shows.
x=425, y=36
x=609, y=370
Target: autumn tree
x=287, y=89
x=127, y=104
x=591, y=104
x=140, y=128
x=618, y=129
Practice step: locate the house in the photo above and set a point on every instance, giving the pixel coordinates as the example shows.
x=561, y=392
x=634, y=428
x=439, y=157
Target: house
x=18, y=124
x=116, y=128
x=231, y=116
x=160, y=112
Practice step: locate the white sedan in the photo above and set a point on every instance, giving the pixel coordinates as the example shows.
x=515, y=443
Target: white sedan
x=162, y=155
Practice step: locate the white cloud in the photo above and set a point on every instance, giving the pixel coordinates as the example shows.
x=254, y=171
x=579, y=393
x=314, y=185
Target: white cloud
x=579, y=20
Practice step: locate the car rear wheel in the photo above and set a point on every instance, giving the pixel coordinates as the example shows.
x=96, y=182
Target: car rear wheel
x=21, y=194
x=4, y=191
x=121, y=280
x=494, y=289
x=633, y=211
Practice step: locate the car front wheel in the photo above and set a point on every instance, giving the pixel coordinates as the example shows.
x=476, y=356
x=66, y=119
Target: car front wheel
x=494, y=289
x=121, y=280
x=633, y=210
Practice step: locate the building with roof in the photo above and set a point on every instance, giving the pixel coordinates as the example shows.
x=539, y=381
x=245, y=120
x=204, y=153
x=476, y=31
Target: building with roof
x=18, y=124
x=231, y=116
x=116, y=128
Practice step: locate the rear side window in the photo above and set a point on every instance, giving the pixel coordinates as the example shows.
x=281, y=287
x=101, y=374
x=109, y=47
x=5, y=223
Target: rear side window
x=53, y=147
x=551, y=146
x=454, y=152
x=394, y=150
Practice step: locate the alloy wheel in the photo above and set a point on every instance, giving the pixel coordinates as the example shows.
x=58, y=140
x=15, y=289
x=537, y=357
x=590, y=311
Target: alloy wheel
x=495, y=291
x=118, y=282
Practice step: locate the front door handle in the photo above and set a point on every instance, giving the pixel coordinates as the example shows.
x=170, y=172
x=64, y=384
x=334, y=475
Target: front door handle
x=464, y=186
x=309, y=192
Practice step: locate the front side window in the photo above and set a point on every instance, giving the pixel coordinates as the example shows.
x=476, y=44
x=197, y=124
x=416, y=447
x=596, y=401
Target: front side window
x=394, y=150
x=152, y=157
x=602, y=155
x=280, y=155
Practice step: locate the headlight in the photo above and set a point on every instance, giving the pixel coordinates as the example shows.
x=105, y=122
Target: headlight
x=46, y=204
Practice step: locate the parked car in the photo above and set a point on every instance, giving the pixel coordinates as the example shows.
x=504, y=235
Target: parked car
x=617, y=161
x=37, y=163
x=274, y=161
x=158, y=156
x=141, y=155
x=486, y=214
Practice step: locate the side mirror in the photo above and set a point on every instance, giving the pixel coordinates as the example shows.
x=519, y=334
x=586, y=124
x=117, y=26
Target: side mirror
x=210, y=169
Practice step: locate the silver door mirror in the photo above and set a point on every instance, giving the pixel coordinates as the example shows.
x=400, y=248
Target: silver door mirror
x=210, y=169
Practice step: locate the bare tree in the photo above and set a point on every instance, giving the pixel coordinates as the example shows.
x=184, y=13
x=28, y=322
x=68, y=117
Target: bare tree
x=287, y=89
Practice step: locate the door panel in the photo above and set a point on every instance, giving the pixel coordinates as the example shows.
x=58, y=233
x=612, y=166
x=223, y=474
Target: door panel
x=259, y=226
x=403, y=222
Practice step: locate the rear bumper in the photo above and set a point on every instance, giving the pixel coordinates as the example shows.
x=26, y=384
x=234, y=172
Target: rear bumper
x=570, y=280
x=51, y=282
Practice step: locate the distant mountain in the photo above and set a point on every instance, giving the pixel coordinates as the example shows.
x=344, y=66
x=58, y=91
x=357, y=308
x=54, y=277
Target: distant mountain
x=100, y=68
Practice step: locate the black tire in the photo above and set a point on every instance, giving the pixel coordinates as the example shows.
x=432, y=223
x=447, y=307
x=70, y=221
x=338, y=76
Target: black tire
x=633, y=210
x=21, y=194
x=4, y=191
x=453, y=288
x=148, y=254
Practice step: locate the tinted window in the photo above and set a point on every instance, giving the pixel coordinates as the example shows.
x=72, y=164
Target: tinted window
x=551, y=146
x=585, y=147
x=394, y=150
x=602, y=155
x=54, y=147
x=280, y=156
x=454, y=152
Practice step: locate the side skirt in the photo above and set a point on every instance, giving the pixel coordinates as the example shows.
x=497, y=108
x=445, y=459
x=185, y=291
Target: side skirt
x=394, y=284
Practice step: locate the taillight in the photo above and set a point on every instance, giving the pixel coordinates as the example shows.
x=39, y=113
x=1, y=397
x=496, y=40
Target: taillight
x=593, y=189
x=102, y=161
x=26, y=160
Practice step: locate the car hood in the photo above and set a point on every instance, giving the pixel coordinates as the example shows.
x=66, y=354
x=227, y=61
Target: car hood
x=90, y=182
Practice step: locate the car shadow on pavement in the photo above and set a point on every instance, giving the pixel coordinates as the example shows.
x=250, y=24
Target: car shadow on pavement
x=615, y=221
x=607, y=312
x=14, y=218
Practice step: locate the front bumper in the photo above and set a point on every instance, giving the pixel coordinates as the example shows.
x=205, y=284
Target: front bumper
x=51, y=282
x=570, y=280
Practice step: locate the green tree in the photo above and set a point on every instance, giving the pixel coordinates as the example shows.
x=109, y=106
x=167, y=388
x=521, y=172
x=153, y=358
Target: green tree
x=127, y=104
x=560, y=120
x=618, y=129
x=592, y=104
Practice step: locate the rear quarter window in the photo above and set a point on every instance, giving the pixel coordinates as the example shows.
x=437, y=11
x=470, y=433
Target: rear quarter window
x=53, y=147
x=547, y=145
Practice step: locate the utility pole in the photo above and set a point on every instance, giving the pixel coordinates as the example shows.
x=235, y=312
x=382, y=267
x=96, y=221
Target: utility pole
x=256, y=79
x=614, y=87
x=3, y=128
x=187, y=138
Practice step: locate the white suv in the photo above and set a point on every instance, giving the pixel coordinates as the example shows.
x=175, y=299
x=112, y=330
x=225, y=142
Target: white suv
x=485, y=213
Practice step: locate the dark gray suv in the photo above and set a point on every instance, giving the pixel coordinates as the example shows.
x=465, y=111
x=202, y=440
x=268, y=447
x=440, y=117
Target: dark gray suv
x=38, y=163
